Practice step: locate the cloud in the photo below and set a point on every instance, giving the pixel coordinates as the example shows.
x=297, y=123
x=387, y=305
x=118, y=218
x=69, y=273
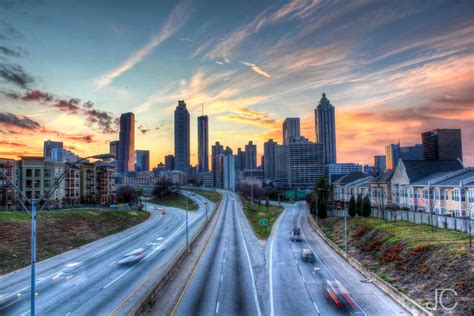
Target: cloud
x=9, y=52
x=104, y=120
x=245, y=115
x=9, y=120
x=257, y=69
x=37, y=95
x=142, y=129
x=219, y=62
x=11, y=144
x=15, y=74
x=175, y=21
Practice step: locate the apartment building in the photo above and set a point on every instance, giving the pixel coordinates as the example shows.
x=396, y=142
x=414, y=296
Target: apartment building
x=88, y=180
x=7, y=196
x=105, y=177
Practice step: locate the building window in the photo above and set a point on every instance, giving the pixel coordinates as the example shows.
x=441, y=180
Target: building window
x=463, y=195
x=471, y=196
x=455, y=195
x=29, y=172
x=425, y=194
x=47, y=173
x=37, y=173
x=446, y=195
x=47, y=183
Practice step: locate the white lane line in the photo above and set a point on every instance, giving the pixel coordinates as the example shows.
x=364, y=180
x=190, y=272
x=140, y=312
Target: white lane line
x=250, y=264
x=322, y=263
x=112, y=263
x=222, y=276
x=217, y=308
x=271, y=279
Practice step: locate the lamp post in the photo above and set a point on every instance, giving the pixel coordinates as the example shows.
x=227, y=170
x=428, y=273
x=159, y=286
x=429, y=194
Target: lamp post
x=187, y=238
x=33, y=217
x=345, y=225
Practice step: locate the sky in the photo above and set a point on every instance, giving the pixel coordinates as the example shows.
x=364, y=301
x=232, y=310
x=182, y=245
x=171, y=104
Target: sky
x=392, y=69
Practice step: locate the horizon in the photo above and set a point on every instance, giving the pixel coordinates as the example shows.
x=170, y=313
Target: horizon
x=251, y=65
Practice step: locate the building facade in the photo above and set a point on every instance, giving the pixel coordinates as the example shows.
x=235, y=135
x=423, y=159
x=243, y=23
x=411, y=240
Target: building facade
x=335, y=170
x=181, y=137
x=250, y=156
x=169, y=162
x=49, y=145
x=291, y=129
x=7, y=195
x=394, y=152
x=269, y=159
x=126, y=147
x=203, y=143
x=380, y=163
x=142, y=160
x=305, y=163
x=442, y=144
x=325, y=127
x=113, y=148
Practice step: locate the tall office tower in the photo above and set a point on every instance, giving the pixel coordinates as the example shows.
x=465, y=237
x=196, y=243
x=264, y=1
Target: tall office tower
x=306, y=163
x=269, y=159
x=380, y=163
x=281, y=164
x=442, y=144
x=240, y=160
x=228, y=174
x=169, y=162
x=325, y=126
x=181, y=137
x=216, y=150
x=142, y=160
x=49, y=145
x=126, y=150
x=394, y=152
x=391, y=155
x=250, y=156
x=203, y=143
x=291, y=129
x=113, y=148
x=227, y=151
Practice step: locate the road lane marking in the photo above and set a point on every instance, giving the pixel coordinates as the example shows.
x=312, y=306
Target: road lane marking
x=217, y=308
x=271, y=279
x=249, y=262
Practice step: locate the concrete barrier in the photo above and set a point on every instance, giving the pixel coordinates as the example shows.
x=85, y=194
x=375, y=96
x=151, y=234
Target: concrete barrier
x=143, y=306
x=402, y=299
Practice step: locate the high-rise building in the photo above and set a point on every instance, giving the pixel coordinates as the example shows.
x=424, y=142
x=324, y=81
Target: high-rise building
x=142, y=160
x=126, y=148
x=306, y=163
x=380, y=163
x=269, y=159
x=337, y=169
x=181, y=137
x=113, y=148
x=224, y=172
x=240, y=160
x=169, y=162
x=291, y=129
x=442, y=144
x=325, y=126
x=216, y=150
x=63, y=155
x=250, y=156
x=49, y=145
x=203, y=143
x=281, y=164
x=393, y=152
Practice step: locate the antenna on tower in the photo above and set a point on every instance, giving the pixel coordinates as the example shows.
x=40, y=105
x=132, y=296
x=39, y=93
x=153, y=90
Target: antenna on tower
x=202, y=108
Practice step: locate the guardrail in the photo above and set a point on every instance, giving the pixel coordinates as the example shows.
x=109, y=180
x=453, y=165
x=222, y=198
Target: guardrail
x=402, y=299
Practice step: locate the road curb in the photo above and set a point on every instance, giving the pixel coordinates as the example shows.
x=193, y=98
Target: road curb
x=144, y=306
x=402, y=299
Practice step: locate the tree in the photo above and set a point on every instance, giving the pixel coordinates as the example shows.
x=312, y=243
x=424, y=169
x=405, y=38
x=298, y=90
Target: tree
x=366, y=208
x=322, y=210
x=352, y=207
x=162, y=189
x=359, y=205
x=126, y=194
x=267, y=202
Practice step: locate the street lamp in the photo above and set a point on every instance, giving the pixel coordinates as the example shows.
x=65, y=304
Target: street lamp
x=187, y=238
x=33, y=216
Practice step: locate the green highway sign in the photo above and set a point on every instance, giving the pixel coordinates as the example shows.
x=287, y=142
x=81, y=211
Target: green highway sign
x=263, y=222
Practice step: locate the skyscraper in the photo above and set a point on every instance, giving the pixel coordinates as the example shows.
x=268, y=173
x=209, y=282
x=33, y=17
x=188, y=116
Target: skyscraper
x=325, y=126
x=216, y=150
x=269, y=159
x=380, y=163
x=49, y=145
x=305, y=163
x=181, y=137
x=113, y=148
x=442, y=144
x=203, y=143
x=126, y=148
x=250, y=156
x=240, y=160
x=169, y=162
x=393, y=152
x=142, y=160
x=291, y=129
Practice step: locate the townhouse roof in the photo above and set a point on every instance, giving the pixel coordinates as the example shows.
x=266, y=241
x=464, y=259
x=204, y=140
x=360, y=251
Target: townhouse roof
x=465, y=175
x=418, y=169
x=384, y=177
x=350, y=177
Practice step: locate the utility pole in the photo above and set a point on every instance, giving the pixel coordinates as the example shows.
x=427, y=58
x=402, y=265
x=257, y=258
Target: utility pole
x=33, y=257
x=345, y=227
x=187, y=238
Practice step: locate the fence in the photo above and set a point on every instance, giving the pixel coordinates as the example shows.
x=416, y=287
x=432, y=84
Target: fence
x=465, y=225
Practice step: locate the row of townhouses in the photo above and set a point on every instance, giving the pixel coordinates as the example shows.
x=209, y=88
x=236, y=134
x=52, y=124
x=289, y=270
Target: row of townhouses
x=441, y=187
x=84, y=183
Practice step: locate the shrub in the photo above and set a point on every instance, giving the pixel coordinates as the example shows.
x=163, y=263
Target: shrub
x=360, y=231
x=352, y=207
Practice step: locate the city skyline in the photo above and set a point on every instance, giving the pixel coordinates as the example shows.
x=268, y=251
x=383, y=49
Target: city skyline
x=272, y=61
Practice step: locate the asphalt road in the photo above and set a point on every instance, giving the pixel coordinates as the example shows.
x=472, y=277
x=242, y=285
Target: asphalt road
x=101, y=285
x=296, y=288
x=223, y=282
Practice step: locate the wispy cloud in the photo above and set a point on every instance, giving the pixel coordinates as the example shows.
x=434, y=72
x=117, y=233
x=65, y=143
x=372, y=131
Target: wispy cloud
x=175, y=21
x=257, y=69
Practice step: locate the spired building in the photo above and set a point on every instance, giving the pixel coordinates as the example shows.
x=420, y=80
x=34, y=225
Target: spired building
x=203, y=143
x=181, y=137
x=325, y=126
x=126, y=146
x=291, y=129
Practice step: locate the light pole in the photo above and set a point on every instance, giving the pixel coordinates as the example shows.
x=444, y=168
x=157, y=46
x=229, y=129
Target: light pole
x=187, y=239
x=345, y=226
x=33, y=217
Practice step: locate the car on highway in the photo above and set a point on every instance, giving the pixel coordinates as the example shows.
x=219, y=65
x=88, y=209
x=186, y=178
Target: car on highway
x=162, y=210
x=295, y=234
x=308, y=255
x=133, y=256
x=338, y=294
x=69, y=271
x=8, y=299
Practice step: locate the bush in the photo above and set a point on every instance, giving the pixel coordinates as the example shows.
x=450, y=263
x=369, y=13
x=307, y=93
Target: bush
x=352, y=207
x=359, y=205
x=127, y=194
x=366, y=208
x=322, y=213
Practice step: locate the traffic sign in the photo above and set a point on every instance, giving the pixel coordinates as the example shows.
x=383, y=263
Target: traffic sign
x=263, y=222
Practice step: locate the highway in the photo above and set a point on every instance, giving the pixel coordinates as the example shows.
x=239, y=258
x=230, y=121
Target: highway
x=223, y=282
x=296, y=287
x=99, y=284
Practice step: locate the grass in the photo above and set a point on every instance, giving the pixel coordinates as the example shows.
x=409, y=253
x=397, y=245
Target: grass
x=57, y=232
x=210, y=195
x=178, y=201
x=256, y=212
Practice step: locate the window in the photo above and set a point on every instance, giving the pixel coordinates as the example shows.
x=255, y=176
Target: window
x=463, y=195
x=471, y=196
x=47, y=173
x=37, y=173
x=425, y=194
x=47, y=183
x=436, y=194
x=455, y=195
x=29, y=172
x=446, y=195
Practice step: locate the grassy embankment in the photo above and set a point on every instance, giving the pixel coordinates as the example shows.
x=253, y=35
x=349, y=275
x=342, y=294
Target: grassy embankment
x=411, y=257
x=57, y=232
x=178, y=201
x=210, y=195
x=256, y=212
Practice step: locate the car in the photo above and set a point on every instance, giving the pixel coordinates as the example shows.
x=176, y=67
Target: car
x=338, y=294
x=68, y=271
x=295, y=234
x=162, y=210
x=308, y=255
x=133, y=256
x=7, y=300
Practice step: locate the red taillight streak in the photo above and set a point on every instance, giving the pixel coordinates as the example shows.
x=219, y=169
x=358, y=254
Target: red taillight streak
x=335, y=299
x=349, y=299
